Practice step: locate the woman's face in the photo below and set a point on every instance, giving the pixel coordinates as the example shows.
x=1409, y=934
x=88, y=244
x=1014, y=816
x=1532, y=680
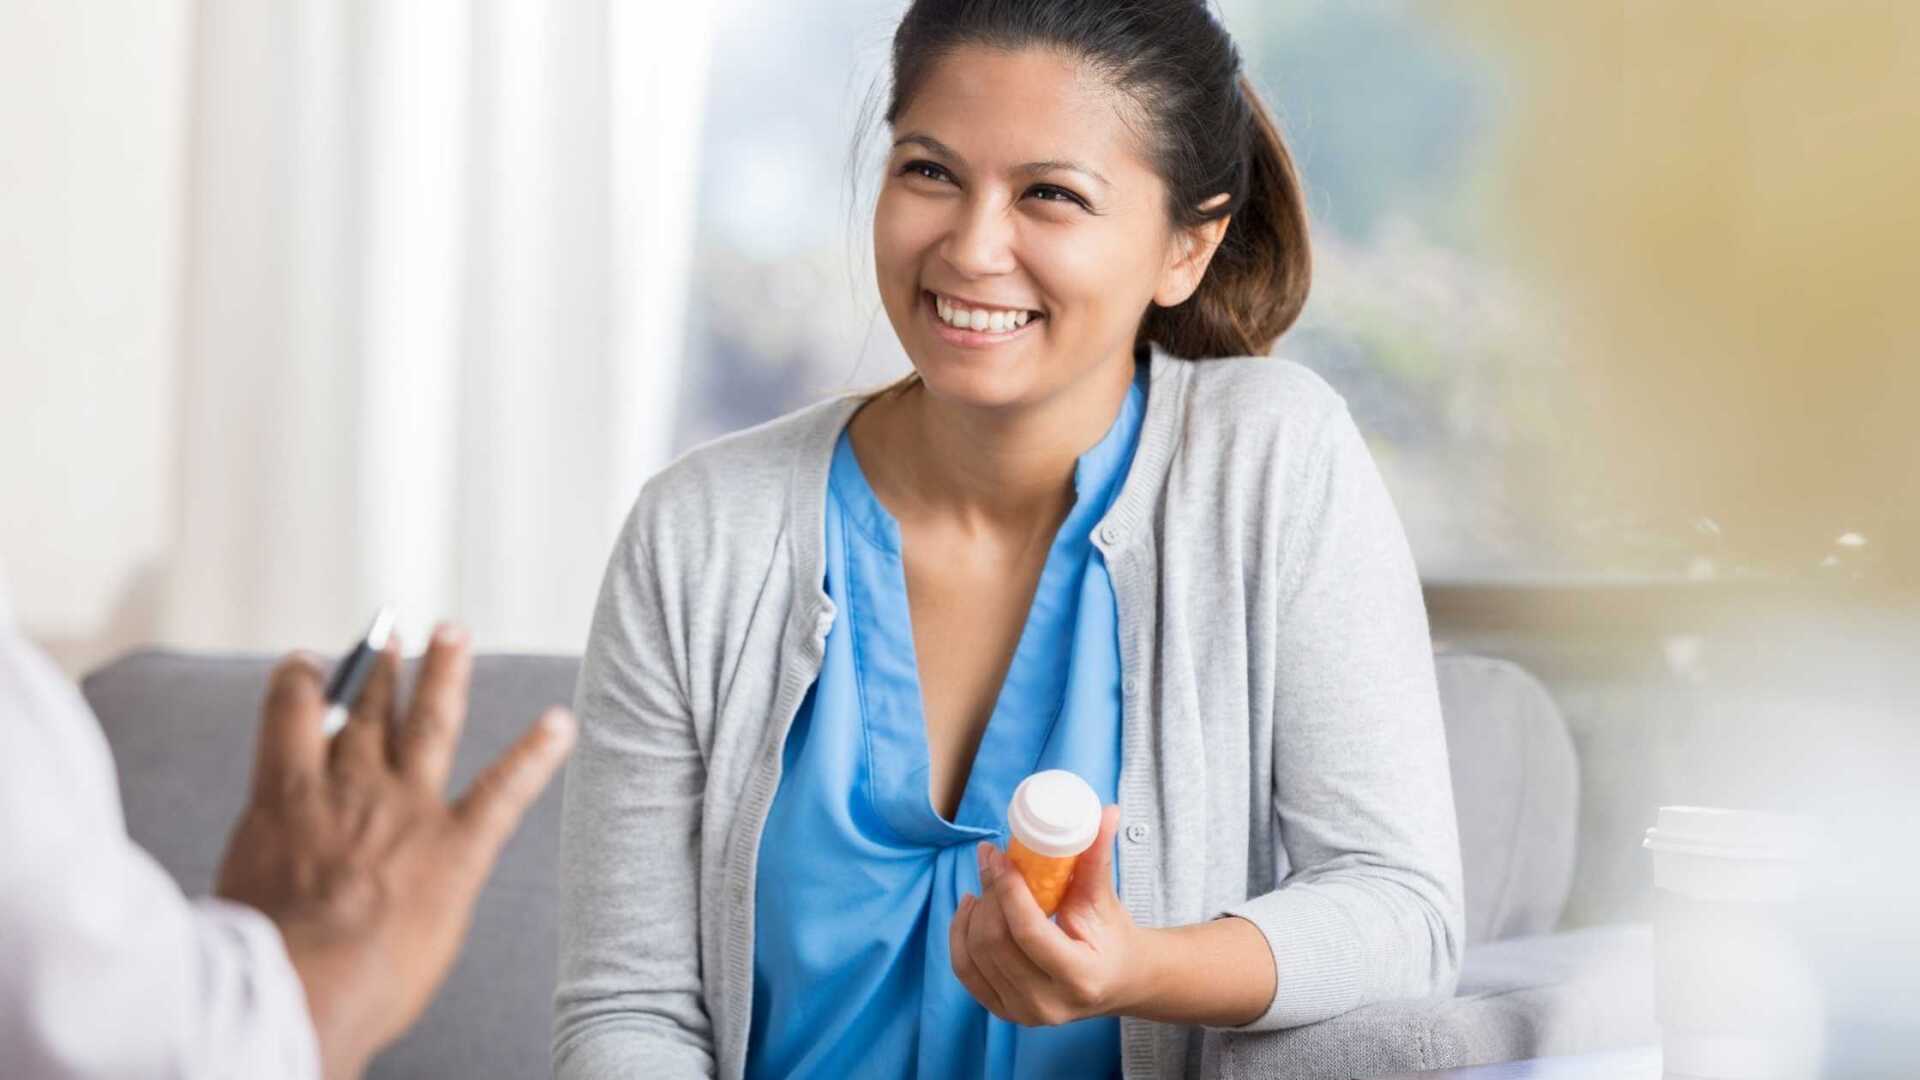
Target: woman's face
x=1015, y=191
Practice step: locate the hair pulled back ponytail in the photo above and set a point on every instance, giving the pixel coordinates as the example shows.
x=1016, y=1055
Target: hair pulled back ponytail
x=1257, y=282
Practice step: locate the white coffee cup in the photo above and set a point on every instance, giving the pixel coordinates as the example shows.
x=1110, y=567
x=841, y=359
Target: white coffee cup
x=1734, y=994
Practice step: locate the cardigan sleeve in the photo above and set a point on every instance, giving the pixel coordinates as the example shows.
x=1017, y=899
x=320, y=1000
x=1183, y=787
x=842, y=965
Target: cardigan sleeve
x=629, y=1000
x=1371, y=906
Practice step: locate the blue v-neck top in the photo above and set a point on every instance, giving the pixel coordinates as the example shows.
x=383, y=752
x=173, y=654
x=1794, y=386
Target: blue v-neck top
x=858, y=875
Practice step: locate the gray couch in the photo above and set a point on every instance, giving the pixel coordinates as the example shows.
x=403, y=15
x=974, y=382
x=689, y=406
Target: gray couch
x=182, y=725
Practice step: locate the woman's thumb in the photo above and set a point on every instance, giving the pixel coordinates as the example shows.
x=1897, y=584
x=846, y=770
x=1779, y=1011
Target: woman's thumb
x=1093, y=874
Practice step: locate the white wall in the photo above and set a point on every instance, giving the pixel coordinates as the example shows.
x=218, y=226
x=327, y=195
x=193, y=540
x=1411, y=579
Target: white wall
x=92, y=136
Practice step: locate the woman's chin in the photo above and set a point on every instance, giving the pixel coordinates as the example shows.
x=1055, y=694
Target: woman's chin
x=974, y=385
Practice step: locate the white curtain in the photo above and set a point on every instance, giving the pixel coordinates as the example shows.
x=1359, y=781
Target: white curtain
x=436, y=266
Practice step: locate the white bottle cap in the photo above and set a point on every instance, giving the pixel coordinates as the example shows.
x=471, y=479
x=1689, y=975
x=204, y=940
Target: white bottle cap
x=1055, y=814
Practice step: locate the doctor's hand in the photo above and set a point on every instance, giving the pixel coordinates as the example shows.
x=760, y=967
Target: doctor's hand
x=350, y=846
x=1032, y=970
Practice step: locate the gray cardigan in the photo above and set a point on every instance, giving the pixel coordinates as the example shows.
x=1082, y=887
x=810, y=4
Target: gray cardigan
x=1283, y=757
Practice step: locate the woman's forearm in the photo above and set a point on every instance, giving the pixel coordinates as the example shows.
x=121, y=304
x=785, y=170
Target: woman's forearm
x=1216, y=974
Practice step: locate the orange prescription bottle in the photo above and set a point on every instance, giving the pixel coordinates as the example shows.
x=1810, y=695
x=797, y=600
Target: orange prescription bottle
x=1054, y=817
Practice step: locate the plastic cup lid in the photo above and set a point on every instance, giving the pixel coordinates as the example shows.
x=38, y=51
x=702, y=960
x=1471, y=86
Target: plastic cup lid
x=1054, y=813
x=1733, y=834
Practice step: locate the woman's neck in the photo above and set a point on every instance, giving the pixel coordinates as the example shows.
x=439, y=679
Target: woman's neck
x=988, y=468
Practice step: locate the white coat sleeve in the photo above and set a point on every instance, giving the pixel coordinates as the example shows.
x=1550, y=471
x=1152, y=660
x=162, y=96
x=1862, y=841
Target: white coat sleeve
x=106, y=969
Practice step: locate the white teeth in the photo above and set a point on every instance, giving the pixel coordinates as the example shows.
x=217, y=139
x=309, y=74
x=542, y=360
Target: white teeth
x=993, y=322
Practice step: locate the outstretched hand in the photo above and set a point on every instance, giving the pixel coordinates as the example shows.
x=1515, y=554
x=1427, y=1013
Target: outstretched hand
x=350, y=846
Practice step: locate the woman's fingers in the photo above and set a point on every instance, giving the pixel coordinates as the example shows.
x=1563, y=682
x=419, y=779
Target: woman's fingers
x=1042, y=945
x=1023, y=987
x=1093, y=874
x=1012, y=957
x=986, y=940
x=961, y=953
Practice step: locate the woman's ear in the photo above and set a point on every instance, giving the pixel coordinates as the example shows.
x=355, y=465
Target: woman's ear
x=1189, y=255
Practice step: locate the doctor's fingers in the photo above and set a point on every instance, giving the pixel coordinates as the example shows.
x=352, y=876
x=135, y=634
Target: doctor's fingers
x=431, y=731
x=360, y=748
x=290, y=748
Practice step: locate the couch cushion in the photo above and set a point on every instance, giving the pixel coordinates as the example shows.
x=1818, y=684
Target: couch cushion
x=1516, y=791
x=182, y=727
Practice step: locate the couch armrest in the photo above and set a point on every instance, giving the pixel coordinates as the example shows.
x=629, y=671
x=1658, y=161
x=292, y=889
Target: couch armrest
x=1567, y=993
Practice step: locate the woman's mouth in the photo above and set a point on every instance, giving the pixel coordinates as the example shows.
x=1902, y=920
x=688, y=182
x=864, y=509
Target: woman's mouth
x=974, y=327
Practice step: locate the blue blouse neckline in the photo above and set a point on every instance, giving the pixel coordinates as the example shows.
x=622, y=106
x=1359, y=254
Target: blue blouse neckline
x=888, y=670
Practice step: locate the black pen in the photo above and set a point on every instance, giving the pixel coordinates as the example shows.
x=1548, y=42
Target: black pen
x=343, y=689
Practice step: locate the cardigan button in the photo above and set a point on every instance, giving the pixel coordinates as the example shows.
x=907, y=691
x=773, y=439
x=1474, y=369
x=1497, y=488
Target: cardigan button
x=1130, y=684
x=1111, y=535
x=1137, y=833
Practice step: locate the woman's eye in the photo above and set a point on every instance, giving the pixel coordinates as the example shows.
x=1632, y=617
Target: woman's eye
x=924, y=168
x=1057, y=194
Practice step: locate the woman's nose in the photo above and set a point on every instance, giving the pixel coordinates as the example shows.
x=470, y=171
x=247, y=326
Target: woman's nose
x=981, y=241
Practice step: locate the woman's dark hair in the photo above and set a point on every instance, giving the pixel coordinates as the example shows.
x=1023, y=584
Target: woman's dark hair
x=1202, y=127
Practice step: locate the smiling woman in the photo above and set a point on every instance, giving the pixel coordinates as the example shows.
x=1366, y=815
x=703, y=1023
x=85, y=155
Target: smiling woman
x=1081, y=193
x=1097, y=531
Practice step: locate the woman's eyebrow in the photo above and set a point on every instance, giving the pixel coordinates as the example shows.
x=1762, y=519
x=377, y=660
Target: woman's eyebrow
x=1031, y=168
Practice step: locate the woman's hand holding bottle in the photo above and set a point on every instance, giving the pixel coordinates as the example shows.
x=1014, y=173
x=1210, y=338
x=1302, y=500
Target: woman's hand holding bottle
x=1090, y=958
x=1032, y=970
